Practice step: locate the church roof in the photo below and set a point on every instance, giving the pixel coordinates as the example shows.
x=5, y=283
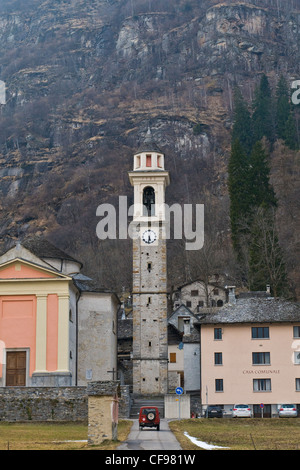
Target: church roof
x=42, y=248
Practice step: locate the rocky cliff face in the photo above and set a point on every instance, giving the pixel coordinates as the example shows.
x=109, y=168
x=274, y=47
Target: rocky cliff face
x=86, y=79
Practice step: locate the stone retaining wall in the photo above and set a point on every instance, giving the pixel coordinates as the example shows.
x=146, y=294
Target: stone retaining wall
x=43, y=404
x=50, y=404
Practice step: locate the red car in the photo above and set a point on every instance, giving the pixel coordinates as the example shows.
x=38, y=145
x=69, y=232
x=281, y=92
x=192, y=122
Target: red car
x=149, y=417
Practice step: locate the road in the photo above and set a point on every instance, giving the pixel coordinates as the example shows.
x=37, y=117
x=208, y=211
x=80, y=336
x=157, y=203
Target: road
x=150, y=438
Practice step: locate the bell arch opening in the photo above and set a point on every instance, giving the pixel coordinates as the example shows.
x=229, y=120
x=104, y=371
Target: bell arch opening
x=149, y=201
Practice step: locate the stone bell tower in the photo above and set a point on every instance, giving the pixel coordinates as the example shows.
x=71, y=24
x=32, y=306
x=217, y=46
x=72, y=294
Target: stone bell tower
x=150, y=340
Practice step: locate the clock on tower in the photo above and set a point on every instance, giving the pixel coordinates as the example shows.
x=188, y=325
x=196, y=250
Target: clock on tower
x=150, y=341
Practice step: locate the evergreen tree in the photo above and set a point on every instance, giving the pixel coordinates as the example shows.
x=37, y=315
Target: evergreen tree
x=283, y=107
x=262, y=116
x=238, y=187
x=242, y=124
x=262, y=193
x=291, y=139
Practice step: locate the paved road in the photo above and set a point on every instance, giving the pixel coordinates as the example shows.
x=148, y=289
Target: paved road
x=150, y=438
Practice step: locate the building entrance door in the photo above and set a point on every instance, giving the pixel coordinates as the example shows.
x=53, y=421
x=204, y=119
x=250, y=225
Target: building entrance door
x=15, y=368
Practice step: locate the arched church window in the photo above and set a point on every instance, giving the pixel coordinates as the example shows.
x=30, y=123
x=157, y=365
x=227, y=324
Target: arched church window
x=149, y=201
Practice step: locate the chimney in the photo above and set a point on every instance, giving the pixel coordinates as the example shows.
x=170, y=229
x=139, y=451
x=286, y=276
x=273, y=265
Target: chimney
x=231, y=294
x=187, y=326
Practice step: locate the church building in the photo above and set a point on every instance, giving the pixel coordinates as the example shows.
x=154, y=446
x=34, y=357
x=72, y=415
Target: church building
x=56, y=327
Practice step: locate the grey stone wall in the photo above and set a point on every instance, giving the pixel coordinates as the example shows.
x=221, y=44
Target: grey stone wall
x=43, y=404
x=124, y=402
x=51, y=404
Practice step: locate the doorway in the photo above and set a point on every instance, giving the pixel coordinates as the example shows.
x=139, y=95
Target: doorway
x=16, y=368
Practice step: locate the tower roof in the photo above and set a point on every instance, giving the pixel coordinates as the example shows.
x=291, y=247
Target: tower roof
x=148, y=145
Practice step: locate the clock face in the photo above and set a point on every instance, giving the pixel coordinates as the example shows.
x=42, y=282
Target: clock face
x=149, y=236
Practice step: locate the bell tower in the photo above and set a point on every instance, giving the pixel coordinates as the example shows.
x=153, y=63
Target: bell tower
x=150, y=341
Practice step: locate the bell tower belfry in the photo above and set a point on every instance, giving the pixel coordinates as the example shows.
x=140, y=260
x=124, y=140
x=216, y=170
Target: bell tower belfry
x=150, y=341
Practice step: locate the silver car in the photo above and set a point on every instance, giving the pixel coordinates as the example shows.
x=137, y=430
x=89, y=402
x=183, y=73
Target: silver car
x=241, y=411
x=288, y=411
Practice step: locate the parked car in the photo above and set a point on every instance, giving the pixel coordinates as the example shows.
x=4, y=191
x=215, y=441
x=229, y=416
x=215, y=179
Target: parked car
x=214, y=411
x=149, y=417
x=288, y=411
x=241, y=411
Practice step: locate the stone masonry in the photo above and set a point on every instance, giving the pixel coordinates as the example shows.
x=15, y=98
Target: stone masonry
x=150, y=328
x=103, y=400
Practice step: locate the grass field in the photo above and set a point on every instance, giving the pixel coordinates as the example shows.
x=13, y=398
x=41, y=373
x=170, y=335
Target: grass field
x=53, y=436
x=235, y=434
x=240, y=433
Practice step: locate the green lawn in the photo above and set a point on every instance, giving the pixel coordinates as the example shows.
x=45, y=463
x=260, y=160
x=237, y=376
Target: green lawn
x=53, y=436
x=240, y=433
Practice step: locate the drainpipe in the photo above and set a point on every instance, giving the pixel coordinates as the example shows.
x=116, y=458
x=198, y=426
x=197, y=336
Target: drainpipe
x=76, y=362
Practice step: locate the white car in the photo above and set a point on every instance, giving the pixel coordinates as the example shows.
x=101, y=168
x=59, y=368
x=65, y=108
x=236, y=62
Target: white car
x=288, y=411
x=241, y=411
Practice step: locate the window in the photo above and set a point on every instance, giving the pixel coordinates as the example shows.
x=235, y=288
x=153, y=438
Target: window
x=259, y=332
x=297, y=357
x=220, y=303
x=297, y=385
x=296, y=331
x=216, y=291
x=188, y=303
x=217, y=333
x=218, y=359
x=260, y=358
x=261, y=385
x=172, y=358
x=148, y=160
x=219, y=385
x=194, y=293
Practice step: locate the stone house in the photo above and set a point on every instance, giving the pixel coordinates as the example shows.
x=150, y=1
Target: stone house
x=57, y=328
x=200, y=295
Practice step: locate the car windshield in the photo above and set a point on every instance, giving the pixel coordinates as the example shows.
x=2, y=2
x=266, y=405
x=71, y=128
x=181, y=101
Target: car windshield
x=288, y=406
x=241, y=406
x=147, y=410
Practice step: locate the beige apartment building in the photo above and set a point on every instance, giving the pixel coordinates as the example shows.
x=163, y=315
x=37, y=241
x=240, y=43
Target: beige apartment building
x=250, y=354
